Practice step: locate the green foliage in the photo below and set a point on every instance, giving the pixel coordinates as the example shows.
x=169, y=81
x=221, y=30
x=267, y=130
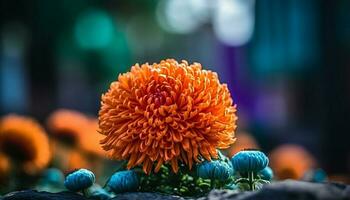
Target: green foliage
x=190, y=183
x=246, y=184
x=123, y=181
x=184, y=183
x=217, y=169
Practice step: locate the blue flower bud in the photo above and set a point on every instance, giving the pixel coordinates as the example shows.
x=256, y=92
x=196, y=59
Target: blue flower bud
x=53, y=176
x=266, y=173
x=249, y=161
x=215, y=169
x=319, y=176
x=79, y=180
x=123, y=181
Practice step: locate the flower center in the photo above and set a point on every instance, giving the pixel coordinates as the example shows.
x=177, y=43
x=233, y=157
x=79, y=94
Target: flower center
x=158, y=97
x=18, y=149
x=67, y=137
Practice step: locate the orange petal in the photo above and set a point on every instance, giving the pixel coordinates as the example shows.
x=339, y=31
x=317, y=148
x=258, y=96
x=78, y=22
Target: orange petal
x=159, y=165
x=174, y=165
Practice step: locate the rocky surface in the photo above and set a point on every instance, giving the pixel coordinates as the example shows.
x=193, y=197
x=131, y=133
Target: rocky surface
x=139, y=196
x=286, y=190
x=34, y=195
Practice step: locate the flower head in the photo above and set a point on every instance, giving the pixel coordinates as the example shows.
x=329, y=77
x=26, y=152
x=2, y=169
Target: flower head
x=291, y=161
x=67, y=125
x=79, y=180
x=266, y=173
x=249, y=161
x=123, y=181
x=214, y=169
x=24, y=141
x=166, y=113
x=89, y=141
x=78, y=129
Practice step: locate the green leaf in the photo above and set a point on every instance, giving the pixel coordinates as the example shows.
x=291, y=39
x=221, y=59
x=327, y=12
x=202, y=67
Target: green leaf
x=258, y=185
x=261, y=181
x=231, y=186
x=241, y=180
x=243, y=186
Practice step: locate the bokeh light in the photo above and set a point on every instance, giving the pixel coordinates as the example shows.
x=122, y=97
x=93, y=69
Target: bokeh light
x=193, y=14
x=94, y=29
x=233, y=21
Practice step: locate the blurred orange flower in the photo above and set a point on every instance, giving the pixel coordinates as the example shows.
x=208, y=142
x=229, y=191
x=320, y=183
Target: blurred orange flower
x=81, y=129
x=90, y=140
x=76, y=160
x=244, y=141
x=291, y=161
x=67, y=125
x=165, y=113
x=25, y=142
x=5, y=167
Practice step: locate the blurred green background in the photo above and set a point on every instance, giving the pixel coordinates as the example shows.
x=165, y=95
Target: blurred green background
x=285, y=62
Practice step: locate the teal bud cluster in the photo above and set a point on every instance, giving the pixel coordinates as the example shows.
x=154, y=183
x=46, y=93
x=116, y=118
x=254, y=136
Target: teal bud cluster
x=79, y=180
x=215, y=169
x=249, y=161
x=123, y=181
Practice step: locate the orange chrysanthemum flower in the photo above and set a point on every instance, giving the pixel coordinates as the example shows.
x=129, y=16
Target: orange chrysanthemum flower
x=24, y=142
x=291, y=161
x=165, y=113
x=67, y=125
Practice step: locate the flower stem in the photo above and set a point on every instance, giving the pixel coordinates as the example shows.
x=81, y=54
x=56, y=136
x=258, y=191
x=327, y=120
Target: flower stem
x=251, y=180
x=84, y=192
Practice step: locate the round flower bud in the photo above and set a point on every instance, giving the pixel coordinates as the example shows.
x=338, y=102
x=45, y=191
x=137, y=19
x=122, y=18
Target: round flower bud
x=266, y=173
x=123, y=181
x=53, y=176
x=249, y=161
x=79, y=180
x=218, y=170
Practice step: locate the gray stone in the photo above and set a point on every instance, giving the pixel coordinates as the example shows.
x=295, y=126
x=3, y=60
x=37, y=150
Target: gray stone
x=35, y=195
x=285, y=190
x=288, y=190
x=145, y=195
